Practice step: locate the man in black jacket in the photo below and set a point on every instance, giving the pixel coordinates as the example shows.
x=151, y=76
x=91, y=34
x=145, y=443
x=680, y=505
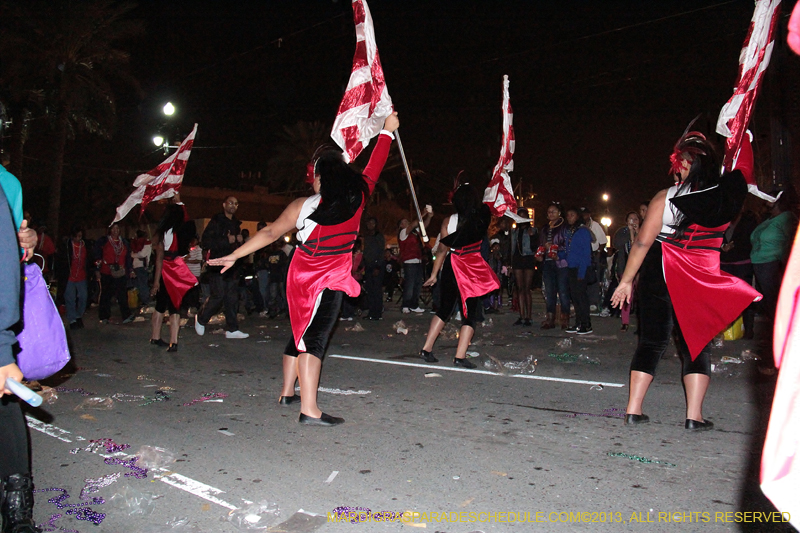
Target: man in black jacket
x=220, y=238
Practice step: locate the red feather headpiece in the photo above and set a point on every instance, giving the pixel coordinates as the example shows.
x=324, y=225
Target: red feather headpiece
x=456, y=184
x=690, y=144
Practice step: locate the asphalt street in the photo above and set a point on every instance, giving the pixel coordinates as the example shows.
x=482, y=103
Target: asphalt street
x=497, y=449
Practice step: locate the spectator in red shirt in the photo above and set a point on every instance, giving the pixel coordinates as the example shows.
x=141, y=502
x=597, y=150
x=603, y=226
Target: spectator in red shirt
x=115, y=265
x=73, y=259
x=46, y=248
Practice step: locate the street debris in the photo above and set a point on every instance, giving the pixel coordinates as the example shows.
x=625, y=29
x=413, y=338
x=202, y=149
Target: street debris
x=100, y=403
x=154, y=457
x=255, y=516
x=640, y=459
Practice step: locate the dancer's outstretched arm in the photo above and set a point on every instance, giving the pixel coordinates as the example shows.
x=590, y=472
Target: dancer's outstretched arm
x=644, y=240
x=265, y=236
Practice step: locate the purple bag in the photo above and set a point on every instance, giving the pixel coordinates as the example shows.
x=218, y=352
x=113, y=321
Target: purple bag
x=43, y=341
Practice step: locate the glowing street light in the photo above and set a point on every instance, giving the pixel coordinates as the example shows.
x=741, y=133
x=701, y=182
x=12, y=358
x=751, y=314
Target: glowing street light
x=605, y=197
x=169, y=109
x=606, y=221
x=158, y=140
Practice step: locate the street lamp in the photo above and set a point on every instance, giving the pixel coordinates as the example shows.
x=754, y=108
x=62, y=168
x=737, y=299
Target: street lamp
x=168, y=109
x=158, y=140
x=606, y=221
x=605, y=197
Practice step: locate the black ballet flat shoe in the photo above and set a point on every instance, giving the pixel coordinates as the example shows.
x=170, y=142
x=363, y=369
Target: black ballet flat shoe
x=173, y=347
x=158, y=342
x=694, y=425
x=324, y=420
x=631, y=420
x=428, y=356
x=288, y=400
x=463, y=363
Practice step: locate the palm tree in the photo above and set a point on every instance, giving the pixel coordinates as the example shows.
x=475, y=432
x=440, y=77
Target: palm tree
x=296, y=147
x=71, y=53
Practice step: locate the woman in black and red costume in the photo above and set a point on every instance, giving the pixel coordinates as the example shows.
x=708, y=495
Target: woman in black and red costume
x=172, y=278
x=466, y=276
x=319, y=274
x=677, y=256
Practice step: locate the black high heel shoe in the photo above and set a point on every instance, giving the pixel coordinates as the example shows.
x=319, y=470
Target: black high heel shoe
x=173, y=347
x=158, y=342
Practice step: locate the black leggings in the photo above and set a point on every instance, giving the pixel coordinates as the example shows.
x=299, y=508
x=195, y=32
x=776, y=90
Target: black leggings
x=318, y=333
x=451, y=297
x=656, y=320
x=13, y=439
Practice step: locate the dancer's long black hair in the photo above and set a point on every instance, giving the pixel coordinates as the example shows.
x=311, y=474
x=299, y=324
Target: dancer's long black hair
x=343, y=189
x=704, y=172
x=172, y=219
x=467, y=202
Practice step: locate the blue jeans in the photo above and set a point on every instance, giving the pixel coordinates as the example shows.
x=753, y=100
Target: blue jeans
x=412, y=284
x=75, y=300
x=141, y=283
x=263, y=286
x=556, y=282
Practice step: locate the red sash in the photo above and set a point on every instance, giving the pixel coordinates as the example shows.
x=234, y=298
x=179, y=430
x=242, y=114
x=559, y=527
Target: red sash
x=177, y=278
x=705, y=300
x=474, y=276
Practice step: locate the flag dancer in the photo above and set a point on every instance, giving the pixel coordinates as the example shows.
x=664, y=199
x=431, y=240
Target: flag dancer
x=320, y=272
x=676, y=254
x=466, y=276
x=328, y=222
x=172, y=278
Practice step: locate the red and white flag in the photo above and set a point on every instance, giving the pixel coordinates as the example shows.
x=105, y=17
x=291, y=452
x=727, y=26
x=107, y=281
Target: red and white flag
x=366, y=102
x=499, y=194
x=164, y=181
x=753, y=61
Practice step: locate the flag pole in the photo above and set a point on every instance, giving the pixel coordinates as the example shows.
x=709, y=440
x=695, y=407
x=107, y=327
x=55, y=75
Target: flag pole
x=411, y=185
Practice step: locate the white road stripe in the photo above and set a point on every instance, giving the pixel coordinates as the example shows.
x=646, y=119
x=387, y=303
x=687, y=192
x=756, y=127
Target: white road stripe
x=476, y=371
x=47, y=429
x=174, y=479
x=201, y=490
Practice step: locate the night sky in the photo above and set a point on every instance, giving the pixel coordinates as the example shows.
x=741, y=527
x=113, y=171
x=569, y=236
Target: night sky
x=600, y=90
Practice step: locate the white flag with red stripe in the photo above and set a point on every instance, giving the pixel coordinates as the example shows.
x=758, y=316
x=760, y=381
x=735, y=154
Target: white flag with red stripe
x=164, y=181
x=366, y=102
x=499, y=194
x=753, y=61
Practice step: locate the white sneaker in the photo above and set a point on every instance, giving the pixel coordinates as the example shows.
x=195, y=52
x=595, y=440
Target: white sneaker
x=418, y=310
x=406, y=310
x=198, y=327
x=236, y=335
x=263, y=314
x=592, y=307
x=605, y=313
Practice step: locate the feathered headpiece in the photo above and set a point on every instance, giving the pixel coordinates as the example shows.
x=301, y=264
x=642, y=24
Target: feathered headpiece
x=691, y=144
x=311, y=166
x=456, y=184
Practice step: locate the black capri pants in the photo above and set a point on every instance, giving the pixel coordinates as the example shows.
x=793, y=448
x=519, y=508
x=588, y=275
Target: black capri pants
x=451, y=297
x=319, y=331
x=656, y=321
